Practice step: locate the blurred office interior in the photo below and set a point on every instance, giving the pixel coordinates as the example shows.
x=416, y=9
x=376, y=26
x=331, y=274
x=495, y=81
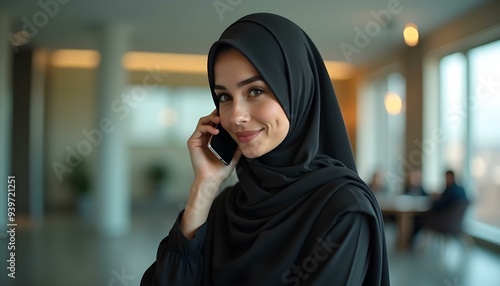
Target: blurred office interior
x=98, y=98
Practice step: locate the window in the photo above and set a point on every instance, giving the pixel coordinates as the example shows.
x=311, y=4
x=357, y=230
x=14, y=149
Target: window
x=484, y=109
x=453, y=112
x=381, y=130
x=168, y=116
x=469, y=115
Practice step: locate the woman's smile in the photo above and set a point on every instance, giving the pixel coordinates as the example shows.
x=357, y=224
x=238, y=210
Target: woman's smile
x=247, y=136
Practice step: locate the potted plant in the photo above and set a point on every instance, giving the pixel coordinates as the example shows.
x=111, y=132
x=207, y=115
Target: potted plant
x=79, y=180
x=157, y=175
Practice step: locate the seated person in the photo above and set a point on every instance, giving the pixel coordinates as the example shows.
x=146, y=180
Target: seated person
x=377, y=184
x=451, y=194
x=413, y=186
x=439, y=215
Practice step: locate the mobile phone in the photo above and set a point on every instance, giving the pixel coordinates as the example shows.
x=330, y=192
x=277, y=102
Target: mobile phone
x=222, y=145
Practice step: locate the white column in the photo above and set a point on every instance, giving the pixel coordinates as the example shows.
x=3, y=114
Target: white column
x=112, y=196
x=366, y=149
x=432, y=172
x=5, y=117
x=37, y=107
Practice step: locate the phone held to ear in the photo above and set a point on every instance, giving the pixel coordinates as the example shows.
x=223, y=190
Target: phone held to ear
x=222, y=145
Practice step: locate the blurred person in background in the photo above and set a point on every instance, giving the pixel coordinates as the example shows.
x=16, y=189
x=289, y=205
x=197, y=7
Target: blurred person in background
x=413, y=186
x=300, y=214
x=377, y=183
x=442, y=212
x=451, y=194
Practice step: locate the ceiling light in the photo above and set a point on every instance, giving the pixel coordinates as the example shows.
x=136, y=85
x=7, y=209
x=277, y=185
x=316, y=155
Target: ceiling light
x=168, y=62
x=393, y=103
x=410, y=34
x=197, y=64
x=75, y=58
x=339, y=70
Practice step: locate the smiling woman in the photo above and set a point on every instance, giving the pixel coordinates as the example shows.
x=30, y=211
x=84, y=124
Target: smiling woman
x=300, y=214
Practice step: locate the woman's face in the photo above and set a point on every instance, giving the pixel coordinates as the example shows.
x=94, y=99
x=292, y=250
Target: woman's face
x=248, y=109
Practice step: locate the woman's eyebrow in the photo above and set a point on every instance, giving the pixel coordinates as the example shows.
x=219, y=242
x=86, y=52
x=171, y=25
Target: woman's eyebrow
x=241, y=83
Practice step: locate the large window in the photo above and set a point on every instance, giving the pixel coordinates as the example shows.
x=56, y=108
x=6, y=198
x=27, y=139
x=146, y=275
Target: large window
x=484, y=106
x=168, y=116
x=469, y=115
x=381, y=130
x=453, y=112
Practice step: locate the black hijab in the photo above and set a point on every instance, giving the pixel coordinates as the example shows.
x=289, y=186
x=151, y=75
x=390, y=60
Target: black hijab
x=266, y=221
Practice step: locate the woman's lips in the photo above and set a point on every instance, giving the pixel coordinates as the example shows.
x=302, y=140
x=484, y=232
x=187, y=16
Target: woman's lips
x=247, y=136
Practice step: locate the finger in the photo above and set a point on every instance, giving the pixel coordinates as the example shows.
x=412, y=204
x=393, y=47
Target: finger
x=204, y=129
x=203, y=132
x=206, y=125
x=211, y=119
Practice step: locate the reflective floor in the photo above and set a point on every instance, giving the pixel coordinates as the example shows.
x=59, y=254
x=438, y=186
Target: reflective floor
x=64, y=250
x=436, y=261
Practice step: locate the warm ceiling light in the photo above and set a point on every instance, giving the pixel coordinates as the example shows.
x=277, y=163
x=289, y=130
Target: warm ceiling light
x=178, y=63
x=339, y=70
x=75, y=59
x=197, y=64
x=168, y=62
x=393, y=103
x=410, y=34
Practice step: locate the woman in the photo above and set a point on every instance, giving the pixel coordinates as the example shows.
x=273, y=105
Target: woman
x=299, y=215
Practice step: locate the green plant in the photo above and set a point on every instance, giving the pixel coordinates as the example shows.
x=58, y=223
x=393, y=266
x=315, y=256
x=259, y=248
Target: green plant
x=157, y=175
x=79, y=179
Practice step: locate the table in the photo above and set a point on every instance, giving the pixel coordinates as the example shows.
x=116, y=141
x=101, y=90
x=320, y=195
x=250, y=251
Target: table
x=404, y=208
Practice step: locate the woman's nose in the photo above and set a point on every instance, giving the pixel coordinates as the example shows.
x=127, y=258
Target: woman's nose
x=240, y=112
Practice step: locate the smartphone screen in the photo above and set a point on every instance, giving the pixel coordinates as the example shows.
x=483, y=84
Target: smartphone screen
x=222, y=145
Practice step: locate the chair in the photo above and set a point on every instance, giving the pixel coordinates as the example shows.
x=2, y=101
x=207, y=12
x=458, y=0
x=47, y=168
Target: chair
x=448, y=223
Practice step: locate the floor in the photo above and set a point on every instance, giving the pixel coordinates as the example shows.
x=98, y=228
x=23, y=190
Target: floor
x=436, y=261
x=64, y=250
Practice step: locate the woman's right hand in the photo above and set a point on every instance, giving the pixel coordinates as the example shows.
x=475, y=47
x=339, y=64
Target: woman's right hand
x=207, y=168
x=209, y=173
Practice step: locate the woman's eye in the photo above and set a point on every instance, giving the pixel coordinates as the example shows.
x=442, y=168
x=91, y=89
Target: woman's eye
x=224, y=97
x=255, y=92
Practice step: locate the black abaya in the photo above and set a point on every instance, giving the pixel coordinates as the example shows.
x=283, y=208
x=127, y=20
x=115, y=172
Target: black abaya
x=300, y=214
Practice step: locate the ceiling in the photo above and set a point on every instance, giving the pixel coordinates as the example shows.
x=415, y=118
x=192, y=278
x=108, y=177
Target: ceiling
x=177, y=26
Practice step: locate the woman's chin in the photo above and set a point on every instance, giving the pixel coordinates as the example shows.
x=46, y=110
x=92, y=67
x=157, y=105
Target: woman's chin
x=250, y=153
